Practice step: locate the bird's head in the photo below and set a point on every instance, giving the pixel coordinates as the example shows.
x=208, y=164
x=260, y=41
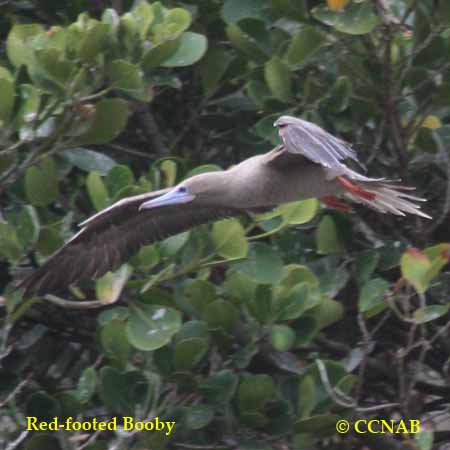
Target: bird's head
x=284, y=121
x=205, y=188
x=176, y=196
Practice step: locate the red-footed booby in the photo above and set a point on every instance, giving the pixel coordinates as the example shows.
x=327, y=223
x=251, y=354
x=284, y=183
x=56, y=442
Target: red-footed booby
x=308, y=164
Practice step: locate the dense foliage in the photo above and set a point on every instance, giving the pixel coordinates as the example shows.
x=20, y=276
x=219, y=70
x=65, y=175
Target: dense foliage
x=253, y=333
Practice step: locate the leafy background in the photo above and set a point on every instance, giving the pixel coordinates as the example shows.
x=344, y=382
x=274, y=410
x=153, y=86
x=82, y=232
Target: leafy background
x=253, y=333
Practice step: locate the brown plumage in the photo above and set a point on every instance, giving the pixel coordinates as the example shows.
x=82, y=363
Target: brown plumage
x=287, y=173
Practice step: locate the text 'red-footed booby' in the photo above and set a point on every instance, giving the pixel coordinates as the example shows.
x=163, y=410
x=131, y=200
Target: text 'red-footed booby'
x=308, y=164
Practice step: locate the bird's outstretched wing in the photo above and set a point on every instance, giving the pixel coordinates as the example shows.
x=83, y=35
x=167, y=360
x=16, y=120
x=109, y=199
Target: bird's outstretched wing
x=307, y=139
x=111, y=237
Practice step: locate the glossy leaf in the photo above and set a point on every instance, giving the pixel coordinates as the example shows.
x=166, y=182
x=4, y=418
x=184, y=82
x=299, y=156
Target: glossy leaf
x=114, y=341
x=97, y=191
x=298, y=213
x=192, y=48
x=372, y=294
x=221, y=314
x=109, y=287
x=10, y=246
x=327, y=237
x=278, y=79
x=151, y=326
x=198, y=416
x=18, y=43
x=189, y=352
x=127, y=78
x=109, y=120
x=304, y=45
x=86, y=385
x=430, y=312
x=262, y=265
x=89, y=160
x=41, y=183
x=282, y=337
x=254, y=392
x=356, y=18
x=235, y=10
x=229, y=239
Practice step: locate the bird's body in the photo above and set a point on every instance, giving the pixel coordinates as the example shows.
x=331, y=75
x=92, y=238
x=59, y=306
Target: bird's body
x=286, y=173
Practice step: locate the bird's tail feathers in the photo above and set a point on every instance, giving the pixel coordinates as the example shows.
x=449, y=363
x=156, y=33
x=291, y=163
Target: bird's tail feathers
x=387, y=197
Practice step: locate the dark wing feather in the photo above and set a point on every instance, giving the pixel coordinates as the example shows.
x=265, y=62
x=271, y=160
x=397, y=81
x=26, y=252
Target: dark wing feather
x=112, y=236
x=308, y=139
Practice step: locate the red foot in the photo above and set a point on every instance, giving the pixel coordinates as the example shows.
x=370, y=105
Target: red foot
x=355, y=189
x=333, y=202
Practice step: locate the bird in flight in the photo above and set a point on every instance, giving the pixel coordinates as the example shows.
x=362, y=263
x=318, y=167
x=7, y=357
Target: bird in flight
x=308, y=164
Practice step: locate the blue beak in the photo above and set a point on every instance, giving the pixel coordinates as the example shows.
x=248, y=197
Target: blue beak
x=173, y=197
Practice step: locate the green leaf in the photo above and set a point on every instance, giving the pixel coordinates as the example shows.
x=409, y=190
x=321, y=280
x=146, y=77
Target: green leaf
x=327, y=238
x=178, y=19
x=109, y=120
x=41, y=183
x=213, y=67
x=127, y=78
x=366, y=262
x=114, y=341
x=94, y=41
x=150, y=327
x=199, y=294
x=415, y=265
x=189, y=352
x=155, y=56
x=97, y=191
x=327, y=312
x=278, y=78
x=429, y=313
x=220, y=387
x=198, y=416
x=296, y=301
x=109, y=287
x=192, y=47
x=10, y=246
x=7, y=99
x=263, y=264
x=304, y=45
x=235, y=10
x=282, y=337
x=89, y=160
x=255, y=391
x=221, y=314
x=28, y=226
x=340, y=94
x=119, y=177
x=18, y=43
x=245, y=43
x=52, y=65
x=169, y=170
x=298, y=213
x=114, y=390
x=144, y=16
x=372, y=294
x=86, y=385
x=49, y=240
x=356, y=18
x=306, y=396
x=229, y=239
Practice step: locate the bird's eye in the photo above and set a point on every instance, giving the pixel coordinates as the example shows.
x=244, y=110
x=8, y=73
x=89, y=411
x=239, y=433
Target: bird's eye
x=182, y=190
x=282, y=125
